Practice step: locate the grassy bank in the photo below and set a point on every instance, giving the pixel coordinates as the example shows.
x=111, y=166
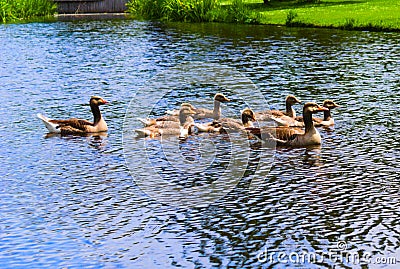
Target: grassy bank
x=376, y=15
x=358, y=14
x=16, y=10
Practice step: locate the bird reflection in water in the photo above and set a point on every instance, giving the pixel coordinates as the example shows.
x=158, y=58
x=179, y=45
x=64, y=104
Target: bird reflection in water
x=95, y=140
x=312, y=156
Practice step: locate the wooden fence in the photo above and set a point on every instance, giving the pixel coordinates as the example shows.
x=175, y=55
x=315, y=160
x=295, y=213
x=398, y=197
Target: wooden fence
x=90, y=6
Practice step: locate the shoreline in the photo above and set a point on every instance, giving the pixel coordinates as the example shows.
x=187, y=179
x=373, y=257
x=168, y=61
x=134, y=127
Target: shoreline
x=90, y=16
x=128, y=16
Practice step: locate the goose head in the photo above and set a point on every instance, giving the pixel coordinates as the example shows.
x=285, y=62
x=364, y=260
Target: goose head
x=185, y=111
x=330, y=104
x=221, y=98
x=292, y=100
x=188, y=105
x=248, y=116
x=97, y=100
x=312, y=108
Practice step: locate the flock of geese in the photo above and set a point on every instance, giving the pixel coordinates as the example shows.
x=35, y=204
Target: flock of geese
x=287, y=129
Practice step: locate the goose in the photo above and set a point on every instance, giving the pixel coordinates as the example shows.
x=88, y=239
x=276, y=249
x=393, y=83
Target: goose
x=166, y=120
x=78, y=126
x=273, y=114
x=293, y=137
x=184, y=128
x=202, y=113
x=327, y=120
x=227, y=124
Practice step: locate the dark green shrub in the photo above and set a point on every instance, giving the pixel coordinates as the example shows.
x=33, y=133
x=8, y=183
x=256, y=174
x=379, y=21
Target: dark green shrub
x=12, y=10
x=239, y=12
x=146, y=9
x=193, y=11
x=188, y=10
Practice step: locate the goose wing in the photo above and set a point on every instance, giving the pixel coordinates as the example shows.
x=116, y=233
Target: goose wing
x=277, y=113
x=73, y=123
x=284, y=133
x=156, y=121
x=281, y=134
x=287, y=121
x=167, y=124
x=202, y=113
x=68, y=130
x=69, y=125
x=231, y=124
x=266, y=113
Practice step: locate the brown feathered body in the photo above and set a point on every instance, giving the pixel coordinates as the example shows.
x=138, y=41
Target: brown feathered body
x=225, y=125
x=183, y=128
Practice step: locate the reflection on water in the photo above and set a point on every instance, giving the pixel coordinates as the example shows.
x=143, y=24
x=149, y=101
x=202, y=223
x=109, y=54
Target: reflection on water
x=71, y=201
x=95, y=140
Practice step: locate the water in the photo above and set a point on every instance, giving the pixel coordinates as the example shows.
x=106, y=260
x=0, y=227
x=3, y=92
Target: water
x=72, y=202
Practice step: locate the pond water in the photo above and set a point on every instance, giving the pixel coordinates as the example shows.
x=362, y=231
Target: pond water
x=72, y=202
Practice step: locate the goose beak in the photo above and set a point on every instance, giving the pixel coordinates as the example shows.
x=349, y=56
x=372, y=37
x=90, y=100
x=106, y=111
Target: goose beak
x=104, y=101
x=253, y=117
x=321, y=108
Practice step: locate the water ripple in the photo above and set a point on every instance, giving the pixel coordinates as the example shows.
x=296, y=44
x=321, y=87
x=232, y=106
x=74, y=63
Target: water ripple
x=71, y=201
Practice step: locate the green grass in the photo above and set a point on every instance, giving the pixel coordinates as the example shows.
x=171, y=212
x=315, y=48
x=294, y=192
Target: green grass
x=380, y=15
x=347, y=14
x=17, y=10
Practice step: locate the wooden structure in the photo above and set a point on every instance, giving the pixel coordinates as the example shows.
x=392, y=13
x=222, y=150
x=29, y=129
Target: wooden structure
x=90, y=6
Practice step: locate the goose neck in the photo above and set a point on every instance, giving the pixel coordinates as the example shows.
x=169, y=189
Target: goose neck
x=96, y=113
x=327, y=115
x=290, y=111
x=217, y=109
x=308, y=122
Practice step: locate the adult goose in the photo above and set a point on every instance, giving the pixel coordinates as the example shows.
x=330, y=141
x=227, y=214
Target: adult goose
x=79, y=126
x=293, y=137
x=327, y=120
x=202, y=113
x=224, y=125
x=290, y=112
x=184, y=128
